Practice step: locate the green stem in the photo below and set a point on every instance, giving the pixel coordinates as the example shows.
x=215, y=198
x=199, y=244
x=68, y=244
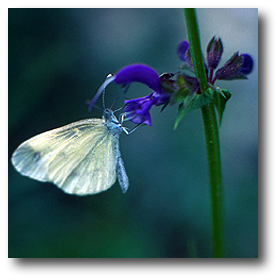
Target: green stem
x=195, y=47
x=215, y=174
x=211, y=133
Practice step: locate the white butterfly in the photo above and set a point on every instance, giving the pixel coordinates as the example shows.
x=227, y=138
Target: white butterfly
x=81, y=158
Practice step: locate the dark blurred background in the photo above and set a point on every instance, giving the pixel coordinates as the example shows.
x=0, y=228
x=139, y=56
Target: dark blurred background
x=57, y=60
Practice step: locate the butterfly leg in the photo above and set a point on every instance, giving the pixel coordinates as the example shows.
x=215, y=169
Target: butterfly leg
x=128, y=130
x=123, y=118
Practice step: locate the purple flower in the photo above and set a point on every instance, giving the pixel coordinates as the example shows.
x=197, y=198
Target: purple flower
x=137, y=110
x=182, y=49
x=183, y=52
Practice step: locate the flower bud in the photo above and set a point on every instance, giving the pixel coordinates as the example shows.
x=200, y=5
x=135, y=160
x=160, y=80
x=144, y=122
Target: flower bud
x=214, y=52
x=232, y=69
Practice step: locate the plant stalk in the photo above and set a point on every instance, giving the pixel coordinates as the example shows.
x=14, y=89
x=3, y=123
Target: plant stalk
x=215, y=175
x=195, y=47
x=211, y=131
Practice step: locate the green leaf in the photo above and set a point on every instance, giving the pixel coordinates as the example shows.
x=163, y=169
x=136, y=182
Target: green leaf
x=193, y=102
x=220, y=98
x=180, y=115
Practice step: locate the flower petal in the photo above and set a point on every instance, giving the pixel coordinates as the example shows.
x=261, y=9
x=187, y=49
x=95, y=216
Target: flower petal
x=160, y=98
x=247, y=65
x=137, y=110
x=138, y=73
x=183, y=51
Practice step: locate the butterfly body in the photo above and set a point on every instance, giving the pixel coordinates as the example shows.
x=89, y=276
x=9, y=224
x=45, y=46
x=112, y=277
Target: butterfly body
x=81, y=158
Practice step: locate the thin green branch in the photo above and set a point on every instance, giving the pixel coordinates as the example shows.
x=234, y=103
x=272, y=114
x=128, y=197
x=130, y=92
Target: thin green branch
x=215, y=175
x=211, y=134
x=195, y=47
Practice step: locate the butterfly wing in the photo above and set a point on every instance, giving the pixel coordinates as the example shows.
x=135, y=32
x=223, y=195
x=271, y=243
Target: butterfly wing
x=80, y=158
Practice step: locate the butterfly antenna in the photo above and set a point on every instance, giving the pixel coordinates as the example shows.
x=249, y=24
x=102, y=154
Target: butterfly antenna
x=94, y=106
x=101, y=89
x=121, y=108
x=125, y=88
x=103, y=99
x=114, y=102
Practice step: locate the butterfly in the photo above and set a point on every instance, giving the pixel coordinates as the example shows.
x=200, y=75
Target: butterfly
x=81, y=158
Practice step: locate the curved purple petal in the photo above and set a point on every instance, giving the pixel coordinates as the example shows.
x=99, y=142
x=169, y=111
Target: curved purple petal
x=138, y=73
x=247, y=65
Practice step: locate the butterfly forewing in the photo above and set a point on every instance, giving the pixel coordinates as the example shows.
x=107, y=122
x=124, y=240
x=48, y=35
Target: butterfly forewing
x=79, y=158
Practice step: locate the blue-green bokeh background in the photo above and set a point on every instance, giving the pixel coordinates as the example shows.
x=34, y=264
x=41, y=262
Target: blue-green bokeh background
x=57, y=60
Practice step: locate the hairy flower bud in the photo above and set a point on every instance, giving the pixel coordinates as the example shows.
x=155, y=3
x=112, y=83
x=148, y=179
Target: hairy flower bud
x=232, y=69
x=214, y=52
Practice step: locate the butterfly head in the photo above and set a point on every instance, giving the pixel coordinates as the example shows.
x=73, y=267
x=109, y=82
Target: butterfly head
x=108, y=116
x=112, y=122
